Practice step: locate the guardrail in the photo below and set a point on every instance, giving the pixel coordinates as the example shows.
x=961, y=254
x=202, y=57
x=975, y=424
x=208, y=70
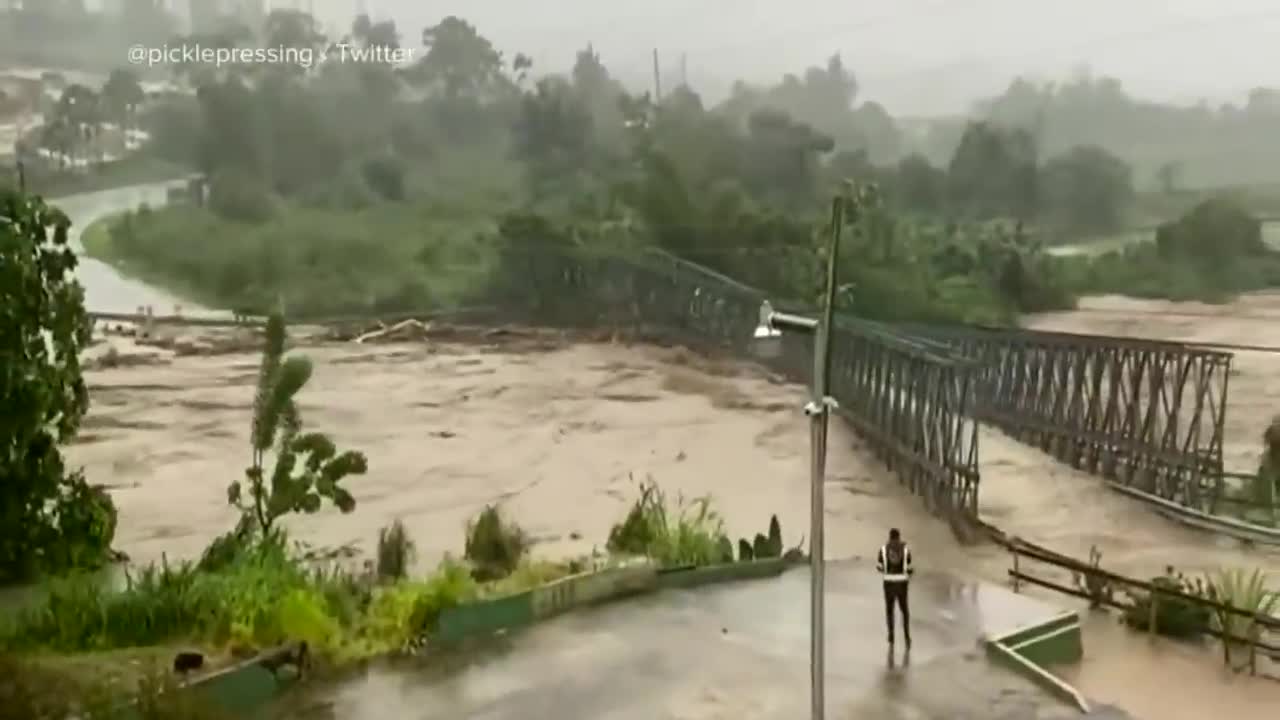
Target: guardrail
x=1099, y=588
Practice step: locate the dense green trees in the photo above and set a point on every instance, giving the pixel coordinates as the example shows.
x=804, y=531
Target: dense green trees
x=1195, y=144
x=463, y=137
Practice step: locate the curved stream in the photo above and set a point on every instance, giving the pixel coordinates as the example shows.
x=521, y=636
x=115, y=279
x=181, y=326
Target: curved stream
x=106, y=289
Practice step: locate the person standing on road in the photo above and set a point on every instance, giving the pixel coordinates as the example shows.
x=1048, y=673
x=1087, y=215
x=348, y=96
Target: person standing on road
x=894, y=564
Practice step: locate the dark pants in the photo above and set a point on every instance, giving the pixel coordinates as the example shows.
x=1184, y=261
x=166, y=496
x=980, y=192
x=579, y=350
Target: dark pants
x=896, y=592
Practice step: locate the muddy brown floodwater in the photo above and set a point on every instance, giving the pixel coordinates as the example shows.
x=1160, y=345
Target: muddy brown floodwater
x=560, y=433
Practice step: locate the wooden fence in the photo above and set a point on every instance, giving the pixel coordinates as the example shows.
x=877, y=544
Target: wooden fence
x=1100, y=586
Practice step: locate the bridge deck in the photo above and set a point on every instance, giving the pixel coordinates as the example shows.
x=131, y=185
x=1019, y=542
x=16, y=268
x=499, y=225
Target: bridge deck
x=736, y=651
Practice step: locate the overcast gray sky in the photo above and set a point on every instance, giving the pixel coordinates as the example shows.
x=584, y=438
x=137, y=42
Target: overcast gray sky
x=914, y=56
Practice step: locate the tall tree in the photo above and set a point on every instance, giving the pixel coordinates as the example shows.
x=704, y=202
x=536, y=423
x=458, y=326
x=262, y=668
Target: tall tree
x=1086, y=190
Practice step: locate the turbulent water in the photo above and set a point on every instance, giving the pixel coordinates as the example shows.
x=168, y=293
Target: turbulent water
x=561, y=432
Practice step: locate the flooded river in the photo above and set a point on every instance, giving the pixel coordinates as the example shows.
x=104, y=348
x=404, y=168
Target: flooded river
x=560, y=432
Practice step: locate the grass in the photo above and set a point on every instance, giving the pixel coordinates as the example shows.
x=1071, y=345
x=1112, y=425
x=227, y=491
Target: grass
x=96, y=238
x=389, y=257
x=31, y=689
x=686, y=532
x=1246, y=591
x=87, y=636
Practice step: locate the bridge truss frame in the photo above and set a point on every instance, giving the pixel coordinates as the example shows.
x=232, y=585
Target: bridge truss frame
x=1147, y=414
x=910, y=399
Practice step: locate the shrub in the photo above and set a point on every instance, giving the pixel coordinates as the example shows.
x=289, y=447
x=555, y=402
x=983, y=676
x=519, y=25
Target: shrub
x=399, y=613
x=308, y=467
x=395, y=552
x=1175, y=617
x=1245, y=592
x=238, y=196
x=494, y=545
x=692, y=535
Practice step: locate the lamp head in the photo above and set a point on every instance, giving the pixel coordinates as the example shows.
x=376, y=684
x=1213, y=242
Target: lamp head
x=766, y=329
x=767, y=340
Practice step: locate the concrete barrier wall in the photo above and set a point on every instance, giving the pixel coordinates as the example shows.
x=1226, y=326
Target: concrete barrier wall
x=728, y=572
x=243, y=688
x=590, y=588
x=484, y=617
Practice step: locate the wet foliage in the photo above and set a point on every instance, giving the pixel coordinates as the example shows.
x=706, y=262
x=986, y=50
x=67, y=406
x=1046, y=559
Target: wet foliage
x=308, y=467
x=51, y=519
x=495, y=544
x=1174, y=616
x=685, y=532
x=1246, y=591
x=395, y=552
x=30, y=692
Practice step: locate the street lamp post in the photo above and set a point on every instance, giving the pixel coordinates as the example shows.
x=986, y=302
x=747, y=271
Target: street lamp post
x=768, y=335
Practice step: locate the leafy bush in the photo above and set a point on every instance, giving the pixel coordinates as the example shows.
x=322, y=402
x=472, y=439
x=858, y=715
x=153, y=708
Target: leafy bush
x=308, y=467
x=51, y=520
x=494, y=544
x=1175, y=617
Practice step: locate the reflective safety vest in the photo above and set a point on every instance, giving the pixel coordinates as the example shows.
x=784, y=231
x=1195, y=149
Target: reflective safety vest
x=894, y=563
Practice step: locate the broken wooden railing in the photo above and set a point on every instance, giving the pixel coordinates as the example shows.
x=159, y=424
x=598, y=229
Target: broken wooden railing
x=1099, y=586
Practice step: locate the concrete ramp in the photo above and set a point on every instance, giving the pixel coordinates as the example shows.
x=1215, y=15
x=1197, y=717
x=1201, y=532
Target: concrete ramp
x=731, y=652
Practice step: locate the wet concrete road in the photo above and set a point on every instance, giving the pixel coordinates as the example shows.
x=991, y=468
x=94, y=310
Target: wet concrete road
x=735, y=652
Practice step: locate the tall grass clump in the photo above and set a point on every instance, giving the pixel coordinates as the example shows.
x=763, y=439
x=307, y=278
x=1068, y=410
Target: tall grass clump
x=262, y=596
x=395, y=552
x=494, y=544
x=1246, y=592
x=690, y=533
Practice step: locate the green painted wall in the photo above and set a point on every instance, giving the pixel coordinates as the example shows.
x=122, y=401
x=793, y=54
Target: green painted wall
x=484, y=617
x=591, y=588
x=1019, y=636
x=693, y=577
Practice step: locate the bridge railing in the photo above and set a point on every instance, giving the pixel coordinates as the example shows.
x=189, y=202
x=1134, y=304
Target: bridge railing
x=910, y=399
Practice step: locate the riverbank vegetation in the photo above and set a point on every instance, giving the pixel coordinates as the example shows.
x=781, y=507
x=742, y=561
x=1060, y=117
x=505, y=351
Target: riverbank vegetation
x=358, y=187
x=51, y=519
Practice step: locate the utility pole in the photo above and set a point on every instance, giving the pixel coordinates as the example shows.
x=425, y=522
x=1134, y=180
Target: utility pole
x=684, y=70
x=772, y=325
x=657, y=78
